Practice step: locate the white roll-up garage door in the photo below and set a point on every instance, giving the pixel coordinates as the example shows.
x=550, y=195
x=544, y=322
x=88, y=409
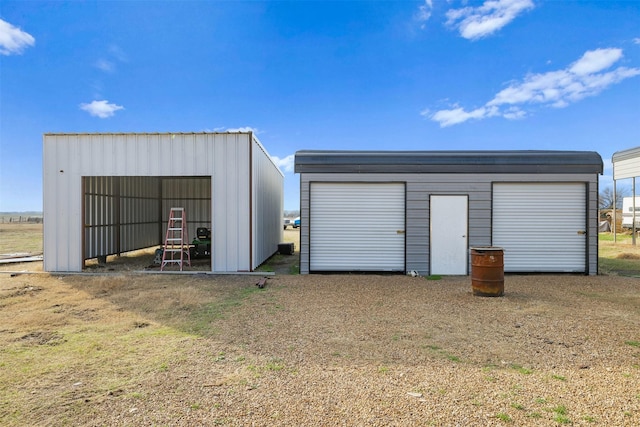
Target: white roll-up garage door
x=541, y=226
x=357, y=227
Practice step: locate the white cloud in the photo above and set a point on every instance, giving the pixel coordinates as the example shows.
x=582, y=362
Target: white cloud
x=116, y=52
x=105, y=65
x=13, y=40
x=101, y=109
x=240, y=129
x=636, y=40
x=596, y=60
x=285, y=164
x=109, y=61
x=476, y=22
x=424, y=12
x=585, y=77
x=459, y=115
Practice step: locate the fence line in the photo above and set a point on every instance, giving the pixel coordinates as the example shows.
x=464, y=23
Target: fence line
x=21, y=219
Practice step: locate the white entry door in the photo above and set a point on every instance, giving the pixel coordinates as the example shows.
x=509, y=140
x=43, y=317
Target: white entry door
x=449, y=245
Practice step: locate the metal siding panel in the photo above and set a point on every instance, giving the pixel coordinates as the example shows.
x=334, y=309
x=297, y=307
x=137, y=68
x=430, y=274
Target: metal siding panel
x=50, y=204
x=627, y=168
x=231, y=204
x=268, y=185
x=538, y=225
x=243, y=200
x=231, y=194
x=354, y=227
x=219, y=213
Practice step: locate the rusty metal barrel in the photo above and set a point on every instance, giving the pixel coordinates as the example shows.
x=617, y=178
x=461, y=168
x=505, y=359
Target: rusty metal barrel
x=487, y=271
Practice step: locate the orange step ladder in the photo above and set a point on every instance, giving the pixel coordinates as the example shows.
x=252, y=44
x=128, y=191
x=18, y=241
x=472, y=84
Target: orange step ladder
x=176, y=242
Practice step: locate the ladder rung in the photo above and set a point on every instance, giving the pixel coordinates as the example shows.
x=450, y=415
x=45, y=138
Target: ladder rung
x=176, y=239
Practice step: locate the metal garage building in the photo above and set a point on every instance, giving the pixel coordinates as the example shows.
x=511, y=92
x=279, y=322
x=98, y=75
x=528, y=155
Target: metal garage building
x=422, y=211
x=111, y=193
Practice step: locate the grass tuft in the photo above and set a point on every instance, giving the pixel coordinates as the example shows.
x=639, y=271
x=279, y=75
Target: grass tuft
x=504, y=417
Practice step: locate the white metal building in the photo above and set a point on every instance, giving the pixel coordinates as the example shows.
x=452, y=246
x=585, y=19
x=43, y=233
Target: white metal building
x=626, y=164
x=422, y=211
x=107, y=194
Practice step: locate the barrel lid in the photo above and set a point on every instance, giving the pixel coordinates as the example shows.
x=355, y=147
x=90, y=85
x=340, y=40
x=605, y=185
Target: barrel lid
x=487, y=248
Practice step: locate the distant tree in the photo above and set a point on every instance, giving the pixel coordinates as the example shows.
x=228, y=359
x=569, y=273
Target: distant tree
x=605, y=199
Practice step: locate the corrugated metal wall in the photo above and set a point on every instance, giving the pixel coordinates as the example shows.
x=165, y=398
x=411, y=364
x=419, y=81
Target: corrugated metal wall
x=421, y=186
x=268, y=201
x=218, y=161
x=192, y=194
x=120, y=214
x=626, y=163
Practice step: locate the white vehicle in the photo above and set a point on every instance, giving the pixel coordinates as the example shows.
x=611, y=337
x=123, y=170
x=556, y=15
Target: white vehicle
x=627, y=212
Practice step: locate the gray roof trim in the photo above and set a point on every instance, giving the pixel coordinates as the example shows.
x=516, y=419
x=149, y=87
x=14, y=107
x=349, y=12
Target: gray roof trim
x=142, y=133
x=319, y=161
x=631, y=153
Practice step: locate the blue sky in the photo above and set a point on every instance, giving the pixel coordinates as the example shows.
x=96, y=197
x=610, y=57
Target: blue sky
x=356, y=75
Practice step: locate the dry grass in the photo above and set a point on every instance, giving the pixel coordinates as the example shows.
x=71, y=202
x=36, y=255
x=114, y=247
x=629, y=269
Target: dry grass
x=620, y=257
x=20, y=238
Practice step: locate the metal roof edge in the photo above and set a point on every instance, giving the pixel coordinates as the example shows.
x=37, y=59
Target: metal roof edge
x=630, y=153
x=255, y=139
x=437, y=161
x=143, y=133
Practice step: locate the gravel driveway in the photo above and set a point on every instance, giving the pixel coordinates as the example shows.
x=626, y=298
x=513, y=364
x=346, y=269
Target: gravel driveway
x=376, y=350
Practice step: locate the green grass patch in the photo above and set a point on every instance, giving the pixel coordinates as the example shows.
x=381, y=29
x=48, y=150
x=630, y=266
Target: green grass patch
x=452, y=358
x=619, y=256
x=558, y=377
x=200, y=319
x=562, y=419
x=383, y=369
x=633, y=343
x=560, y=410
x=274, y=365
x=434, y=277
x=620, y=238
x=441, y=352
x=504, y=417
x=522, y=369
x=294, y=269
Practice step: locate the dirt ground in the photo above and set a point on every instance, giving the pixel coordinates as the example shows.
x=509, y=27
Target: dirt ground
x=126, y=349
x=122, y=348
